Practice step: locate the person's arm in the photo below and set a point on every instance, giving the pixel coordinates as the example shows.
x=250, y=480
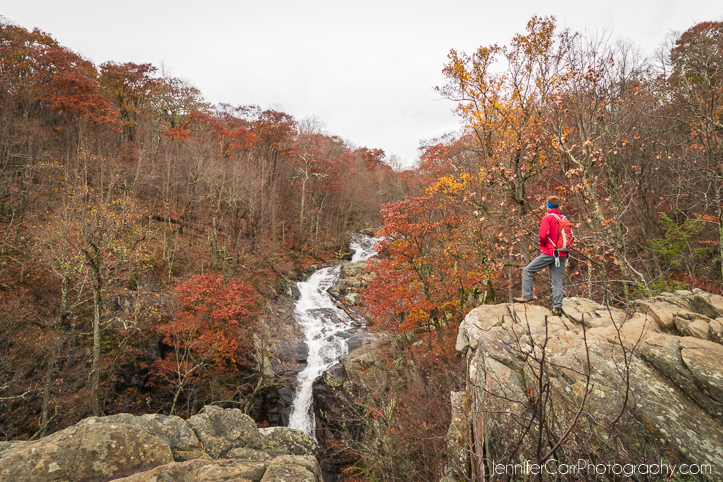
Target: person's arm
x=544, y=230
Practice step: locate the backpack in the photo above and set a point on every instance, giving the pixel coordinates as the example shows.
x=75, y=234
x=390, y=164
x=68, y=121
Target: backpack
x=565, y=236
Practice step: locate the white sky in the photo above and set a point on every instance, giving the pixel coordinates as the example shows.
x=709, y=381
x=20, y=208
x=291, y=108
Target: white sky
x=366, y=69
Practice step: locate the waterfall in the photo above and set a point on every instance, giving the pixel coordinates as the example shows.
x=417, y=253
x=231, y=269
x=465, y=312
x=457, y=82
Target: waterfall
x=321, y=321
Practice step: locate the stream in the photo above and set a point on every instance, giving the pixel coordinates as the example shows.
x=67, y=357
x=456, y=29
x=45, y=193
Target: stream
x=322, y=321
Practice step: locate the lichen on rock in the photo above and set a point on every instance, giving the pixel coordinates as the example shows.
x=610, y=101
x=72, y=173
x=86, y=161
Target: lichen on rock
x=221, y=430
x=97, y=451
x=647, y=380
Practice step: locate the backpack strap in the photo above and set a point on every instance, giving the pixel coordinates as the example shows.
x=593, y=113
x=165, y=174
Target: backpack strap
x=558, y=228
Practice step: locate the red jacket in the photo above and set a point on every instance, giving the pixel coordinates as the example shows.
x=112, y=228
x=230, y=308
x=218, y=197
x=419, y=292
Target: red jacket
x=549, y=229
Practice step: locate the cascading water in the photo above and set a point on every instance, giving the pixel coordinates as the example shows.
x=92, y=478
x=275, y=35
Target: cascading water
x=321, y=321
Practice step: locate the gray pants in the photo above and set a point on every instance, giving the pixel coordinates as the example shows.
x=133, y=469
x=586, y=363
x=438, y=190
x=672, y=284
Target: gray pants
x=536, y=265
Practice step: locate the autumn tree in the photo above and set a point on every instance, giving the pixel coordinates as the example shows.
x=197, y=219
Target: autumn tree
x=106, y=231
x=318, y=162
x=49, y=100
x=275, y=133
x=695, y=87
x=58, y=245
x=210, y=334
x=598, y=124
x=434, y=263
x=502, y=95
x=504, y=107
x=129, y=88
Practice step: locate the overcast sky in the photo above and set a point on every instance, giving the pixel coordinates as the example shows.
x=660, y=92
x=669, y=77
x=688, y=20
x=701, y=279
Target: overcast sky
x=366, y=69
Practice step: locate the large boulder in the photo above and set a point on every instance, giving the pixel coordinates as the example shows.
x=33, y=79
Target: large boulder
x=205, y=470
x=286, y=441
x=296, y=468
x=142, y=448
x=98, y=451
x=221, y=430
x=693, y=365
x=244, y=453
x=631, y=382
x=170, y=429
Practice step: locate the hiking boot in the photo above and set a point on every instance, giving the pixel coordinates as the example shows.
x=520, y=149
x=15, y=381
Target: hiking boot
x=557, y=312
x=521, y=300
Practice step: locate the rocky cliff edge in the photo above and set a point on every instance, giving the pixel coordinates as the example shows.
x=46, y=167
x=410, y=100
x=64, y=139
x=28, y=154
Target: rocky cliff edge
x=598, y=384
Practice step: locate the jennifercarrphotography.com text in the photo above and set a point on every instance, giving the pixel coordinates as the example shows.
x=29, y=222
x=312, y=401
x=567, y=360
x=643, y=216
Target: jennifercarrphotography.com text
x=586, y=467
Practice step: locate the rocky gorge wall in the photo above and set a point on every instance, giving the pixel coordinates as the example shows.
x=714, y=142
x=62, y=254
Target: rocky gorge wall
x=598, y=385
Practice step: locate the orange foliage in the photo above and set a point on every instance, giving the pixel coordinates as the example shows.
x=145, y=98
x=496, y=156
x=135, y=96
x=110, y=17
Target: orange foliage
x=433, y=264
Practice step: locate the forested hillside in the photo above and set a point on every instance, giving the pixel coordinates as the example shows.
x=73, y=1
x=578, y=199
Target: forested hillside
x=144, y=232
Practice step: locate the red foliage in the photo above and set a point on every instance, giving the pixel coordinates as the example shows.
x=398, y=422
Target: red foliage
x=319, y=159
x=211, y=330
x=177, y=133
x=43, y=75
x=372, y=158
x=232, y=134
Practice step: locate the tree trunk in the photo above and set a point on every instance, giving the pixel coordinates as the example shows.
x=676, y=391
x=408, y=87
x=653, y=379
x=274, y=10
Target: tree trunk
x=719, y=200
x=49, y=370
x=95, y=373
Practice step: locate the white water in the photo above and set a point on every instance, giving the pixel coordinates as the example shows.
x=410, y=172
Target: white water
x=321, y=320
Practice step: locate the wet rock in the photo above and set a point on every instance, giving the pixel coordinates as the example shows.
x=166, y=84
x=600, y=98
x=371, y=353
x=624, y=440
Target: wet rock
x=98, y=451
x=286, y=396
x=285, y=414
x=221, y=430
x=334, y=376
x=354, y=269
x=289, y=357
x=292, y=352
x=287, y=368
x=351, y=283
x=361, y=338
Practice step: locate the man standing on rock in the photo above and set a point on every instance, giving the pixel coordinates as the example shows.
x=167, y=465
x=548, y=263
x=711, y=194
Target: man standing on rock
x=549, y=230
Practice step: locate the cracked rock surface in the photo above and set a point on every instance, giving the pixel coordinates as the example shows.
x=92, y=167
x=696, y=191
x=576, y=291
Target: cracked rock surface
x=215, y=445
x=674, y=375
